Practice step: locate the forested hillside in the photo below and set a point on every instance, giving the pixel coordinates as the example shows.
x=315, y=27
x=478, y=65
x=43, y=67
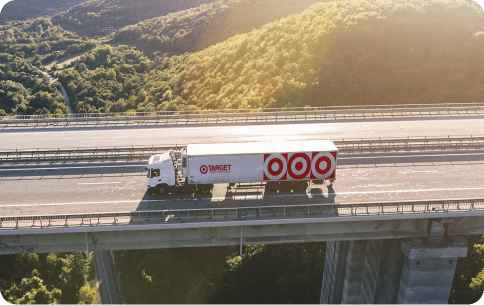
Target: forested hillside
x=89, y=18
x=158, y=83
x=286, y=273
x=24, y=48
x=197, y=28
x=347, y=53
x=243, y=54
x=60, y=278
x=25, y=9
x=336, y=53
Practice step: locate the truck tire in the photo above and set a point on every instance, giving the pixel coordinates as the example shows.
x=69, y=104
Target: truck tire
x=205, y=188
x=162, y=189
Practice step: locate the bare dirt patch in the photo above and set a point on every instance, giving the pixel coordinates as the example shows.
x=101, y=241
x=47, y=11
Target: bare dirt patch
x=61, y=61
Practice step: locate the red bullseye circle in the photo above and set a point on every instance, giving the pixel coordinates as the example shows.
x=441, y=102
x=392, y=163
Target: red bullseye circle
x=298, y=166
x=270, y=167
x=323, y=165
x=324, y=170
x=275, y=167
x=203, y=169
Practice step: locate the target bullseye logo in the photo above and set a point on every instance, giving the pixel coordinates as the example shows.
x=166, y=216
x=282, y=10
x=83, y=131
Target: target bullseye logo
x=275, y=166
x=323, y=165
x=203, y=169
x=297, y=166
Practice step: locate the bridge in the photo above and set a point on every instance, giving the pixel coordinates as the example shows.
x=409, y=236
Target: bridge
x=408, y=188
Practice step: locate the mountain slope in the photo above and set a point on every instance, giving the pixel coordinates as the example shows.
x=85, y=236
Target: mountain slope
x=25, y=9
x=346, y=53
x=91, y=17
x=197, y=28
x=337, y=53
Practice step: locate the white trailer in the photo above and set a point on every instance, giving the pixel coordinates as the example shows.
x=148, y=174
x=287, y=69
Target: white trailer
x=285, y=165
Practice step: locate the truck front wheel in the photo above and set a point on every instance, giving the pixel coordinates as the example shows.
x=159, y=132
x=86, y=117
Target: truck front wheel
x=162, y=189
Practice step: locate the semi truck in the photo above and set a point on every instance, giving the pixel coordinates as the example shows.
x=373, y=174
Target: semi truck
x=281, y=166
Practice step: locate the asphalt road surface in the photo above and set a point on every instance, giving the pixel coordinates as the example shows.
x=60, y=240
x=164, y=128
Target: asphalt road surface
x=66, y=191
x=73, y=138
x=111, y=187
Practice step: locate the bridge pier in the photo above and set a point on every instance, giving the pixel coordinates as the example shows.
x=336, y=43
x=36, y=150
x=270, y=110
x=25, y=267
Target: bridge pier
x=398, y=271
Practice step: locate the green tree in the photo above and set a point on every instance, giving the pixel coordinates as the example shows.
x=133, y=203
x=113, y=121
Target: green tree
x=12, y=95
x=200, y=291
x=86, y=295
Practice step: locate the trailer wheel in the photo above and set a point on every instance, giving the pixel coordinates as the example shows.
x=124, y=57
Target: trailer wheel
x=205, y=189
x=162, y=189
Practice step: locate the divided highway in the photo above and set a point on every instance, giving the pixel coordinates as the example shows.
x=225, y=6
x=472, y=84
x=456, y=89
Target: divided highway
x=114, y=187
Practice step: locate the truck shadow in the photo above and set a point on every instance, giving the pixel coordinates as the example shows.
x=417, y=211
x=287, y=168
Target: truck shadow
x=151, y=201
x=224, y=196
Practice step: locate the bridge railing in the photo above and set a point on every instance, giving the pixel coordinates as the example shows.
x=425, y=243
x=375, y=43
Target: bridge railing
x=381, y=145
x=241, y=214
x=259, y=114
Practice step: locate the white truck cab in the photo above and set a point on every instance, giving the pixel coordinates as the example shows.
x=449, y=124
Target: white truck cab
x=162, y=171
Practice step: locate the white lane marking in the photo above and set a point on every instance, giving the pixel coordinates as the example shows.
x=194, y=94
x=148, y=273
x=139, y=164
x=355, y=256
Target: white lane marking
x=133, y=130
x=413, y=172
x=86, y=183
x=69, y=167
x=106, y=278
x=75, y=203
x=247, y=197
x=138, y=165
x=413, y=156
x=410, y=191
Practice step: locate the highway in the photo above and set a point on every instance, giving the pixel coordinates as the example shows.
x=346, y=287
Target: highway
x=107, y=285
x=115, y=187
x=66, y=191
x=53, y=138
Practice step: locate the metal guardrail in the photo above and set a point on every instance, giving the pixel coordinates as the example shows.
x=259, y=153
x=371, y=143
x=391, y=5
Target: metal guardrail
x=258, y=115
x=239, y=214
x=144, y=152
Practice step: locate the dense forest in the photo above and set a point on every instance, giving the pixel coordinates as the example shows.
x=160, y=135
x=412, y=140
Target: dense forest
x=47, y=278
x=24, y=49
x=336, y=53
x=197, y=28
x=26, y=9
x=90, y=18
x=286, y=273
x=346, y=53
x=255, y=53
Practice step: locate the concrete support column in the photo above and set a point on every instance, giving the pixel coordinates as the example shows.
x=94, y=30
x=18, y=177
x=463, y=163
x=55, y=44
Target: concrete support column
x=334, y=266
x=391, y=271
x=371, y=271
x=354, y=272
x=428, y=270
